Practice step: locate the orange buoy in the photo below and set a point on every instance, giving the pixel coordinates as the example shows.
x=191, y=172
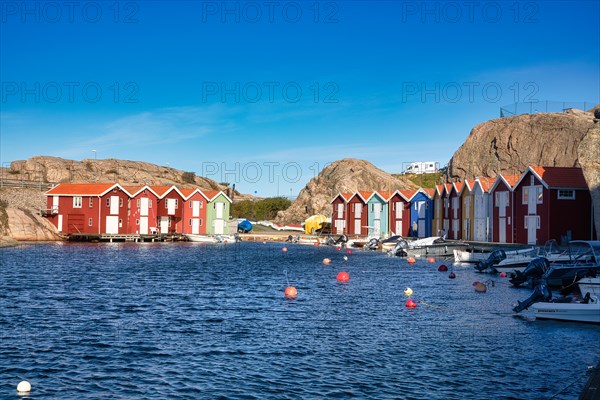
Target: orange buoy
x=442, y=268
x=410, y=303
x=284, y=249
x=502, y=275
x=290, y=292
x=411, y=260
x=326, y=261
x=431, y=259
x=451, y=275
x=480, y=287
x=343, y=277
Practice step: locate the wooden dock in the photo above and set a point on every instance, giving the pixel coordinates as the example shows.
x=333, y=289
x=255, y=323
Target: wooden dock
x=591, y=391
x=105, y=237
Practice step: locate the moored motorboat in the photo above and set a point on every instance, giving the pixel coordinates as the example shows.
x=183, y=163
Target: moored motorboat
x=584, y=261
x=571, y=308
x=434, y=246
x=224, y=239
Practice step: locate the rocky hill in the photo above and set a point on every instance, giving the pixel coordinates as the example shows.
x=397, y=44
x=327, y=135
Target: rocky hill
x=54, y=169
x=347, y=175
x=509, y=145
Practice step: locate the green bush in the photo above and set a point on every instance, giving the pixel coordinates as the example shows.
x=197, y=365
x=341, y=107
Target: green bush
x=261, y=209
x=188, y=177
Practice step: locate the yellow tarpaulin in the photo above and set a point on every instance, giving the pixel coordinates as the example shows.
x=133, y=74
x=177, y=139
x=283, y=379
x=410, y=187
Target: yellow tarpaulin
x=313, y=223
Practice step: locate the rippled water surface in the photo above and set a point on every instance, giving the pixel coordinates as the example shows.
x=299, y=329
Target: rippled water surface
x=201, y=321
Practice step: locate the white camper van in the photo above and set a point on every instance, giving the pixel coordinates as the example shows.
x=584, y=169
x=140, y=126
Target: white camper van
x=424, y=167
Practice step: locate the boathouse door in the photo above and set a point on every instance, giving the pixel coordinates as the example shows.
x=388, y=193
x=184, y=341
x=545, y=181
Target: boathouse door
x=501, y=199
x=164, y=224
x=114, y=206
x=357, y=227
x=195, y=226
x=219, y=226
x=532, y=224
x=398, y=227
x=143, y=225
x=112, y=221
x=60, y=222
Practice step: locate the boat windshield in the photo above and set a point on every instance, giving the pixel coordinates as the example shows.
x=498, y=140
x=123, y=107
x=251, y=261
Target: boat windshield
x=587, y=252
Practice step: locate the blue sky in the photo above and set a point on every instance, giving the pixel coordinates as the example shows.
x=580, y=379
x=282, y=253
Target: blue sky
x=265, y=94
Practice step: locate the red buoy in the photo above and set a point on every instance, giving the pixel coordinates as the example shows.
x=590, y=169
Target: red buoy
x=442, y=268
x=349, y=251
x=290, y=292
x=410, y=303
x=451, y=275
x=284, y=249
x=411, y=260
x=502, y=275
x=343, y=277
x=480, y=287
x=431, y=259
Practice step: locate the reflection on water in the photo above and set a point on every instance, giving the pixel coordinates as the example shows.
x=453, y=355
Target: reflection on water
x=203, y=321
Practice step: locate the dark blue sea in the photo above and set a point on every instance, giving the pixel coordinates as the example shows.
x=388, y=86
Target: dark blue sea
x=195, y=321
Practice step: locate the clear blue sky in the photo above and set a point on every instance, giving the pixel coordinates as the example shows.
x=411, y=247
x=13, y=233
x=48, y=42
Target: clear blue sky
x=256, y=92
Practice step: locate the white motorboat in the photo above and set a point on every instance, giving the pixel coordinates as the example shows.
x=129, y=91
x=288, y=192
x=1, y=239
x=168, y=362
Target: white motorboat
x=474, y=256
x=587, y=310
x=223, y=239
x=589, y=285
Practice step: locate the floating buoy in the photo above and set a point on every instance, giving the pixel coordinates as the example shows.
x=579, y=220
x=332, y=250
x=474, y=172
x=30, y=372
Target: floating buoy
x=480, y=287
x=475, y=283
x=411, y=260
x=502, y=275
x=343, y=277
x=451, y=275
x=348, y=251
x=345, y=258
x=408, y=291
x=442, y=268
x=290, y=292
x=284, y=249
x=431, y=259
x=23, y=387
x=326, y=261
x=410, y=303
x=339, y=248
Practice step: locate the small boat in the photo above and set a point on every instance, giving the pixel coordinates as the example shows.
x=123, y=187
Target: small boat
x=223, y=239
x=590, y=285
x=584, y=261
x=434, y=246
x=472, y=255
x=571, y=308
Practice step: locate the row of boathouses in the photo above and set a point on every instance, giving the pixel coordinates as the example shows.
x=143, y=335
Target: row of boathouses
x=109, y=208
x=542, y=203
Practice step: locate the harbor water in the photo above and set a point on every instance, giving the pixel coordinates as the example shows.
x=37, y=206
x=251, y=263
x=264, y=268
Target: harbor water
x=190, y=321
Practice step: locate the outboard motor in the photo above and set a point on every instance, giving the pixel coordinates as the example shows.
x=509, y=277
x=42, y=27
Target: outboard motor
x=342, y=239
x=494, y=258
x=399, y=249
x=540, y=293
x=373, y=244
x=536, y=268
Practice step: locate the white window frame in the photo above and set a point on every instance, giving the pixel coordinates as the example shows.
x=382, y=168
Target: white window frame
x=77, y=201
x=90, y=222
x=91, y=202
x=566, y=197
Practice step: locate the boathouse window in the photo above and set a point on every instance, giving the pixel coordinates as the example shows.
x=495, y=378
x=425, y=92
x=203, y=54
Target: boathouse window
x=138, y=202
x=137, y=221
x=190, y=222
x=77, y=202
x=149, y=203
x=108, y=202
x=91, y=202
x=566, y=195
x=90, y=222
x=200, y=221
